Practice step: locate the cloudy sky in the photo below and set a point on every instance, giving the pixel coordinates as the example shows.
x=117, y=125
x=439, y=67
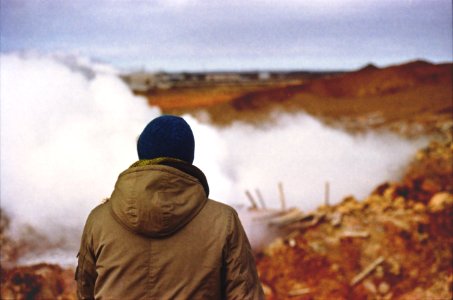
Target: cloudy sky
x=190, y=35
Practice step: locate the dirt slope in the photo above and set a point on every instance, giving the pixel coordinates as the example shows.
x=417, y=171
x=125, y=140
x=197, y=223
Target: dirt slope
x=412, y=93
x=371, y=81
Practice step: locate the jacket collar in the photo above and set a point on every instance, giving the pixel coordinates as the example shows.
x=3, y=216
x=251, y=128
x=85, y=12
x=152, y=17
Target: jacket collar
x=177, y=164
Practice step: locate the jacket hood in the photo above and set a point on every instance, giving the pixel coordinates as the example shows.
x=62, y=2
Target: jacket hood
x=158, y=197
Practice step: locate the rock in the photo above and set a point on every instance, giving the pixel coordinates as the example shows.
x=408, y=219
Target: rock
x=335, y=218
x=430, y=186
x=335, y=267
x=267, y=290
x=399, y=203
x=379, y=273
x=389, y=193
x=383, y=288
x=370, y=286
x=419, y=207
x=273, y=248
x=440, y=202
x=414, y=273
x=394, y=267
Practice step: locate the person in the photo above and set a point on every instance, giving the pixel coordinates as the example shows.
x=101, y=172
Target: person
x=159, y=236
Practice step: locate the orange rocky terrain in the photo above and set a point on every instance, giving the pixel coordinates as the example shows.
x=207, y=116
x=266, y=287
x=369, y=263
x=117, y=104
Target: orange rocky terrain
x=415, y=97
x=395, y=244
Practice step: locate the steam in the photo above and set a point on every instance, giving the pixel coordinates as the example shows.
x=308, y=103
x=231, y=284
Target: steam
x=303, y=154
x=69, y=127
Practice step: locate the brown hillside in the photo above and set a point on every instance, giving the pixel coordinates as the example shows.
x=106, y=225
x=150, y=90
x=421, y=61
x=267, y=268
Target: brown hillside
x=371, y=81
x=414, y=93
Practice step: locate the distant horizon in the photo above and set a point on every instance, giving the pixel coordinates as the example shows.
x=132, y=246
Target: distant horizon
x=277, y=68
x=220, y=70
x=143, y=68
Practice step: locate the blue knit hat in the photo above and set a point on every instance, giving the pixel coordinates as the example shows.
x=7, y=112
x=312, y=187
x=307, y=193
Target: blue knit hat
x=167, y=136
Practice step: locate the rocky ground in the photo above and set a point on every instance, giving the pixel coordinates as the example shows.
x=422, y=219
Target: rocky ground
x=395, y=244
x=41, y=281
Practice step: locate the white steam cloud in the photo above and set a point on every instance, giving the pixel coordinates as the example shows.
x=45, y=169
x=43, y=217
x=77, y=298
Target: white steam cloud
x=69, y=127
x=303, y=154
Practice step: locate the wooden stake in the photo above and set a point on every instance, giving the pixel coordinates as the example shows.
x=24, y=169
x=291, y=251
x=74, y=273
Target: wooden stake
x=251, y=199
x=327, y=194
x=282, y=196
x=260, y=198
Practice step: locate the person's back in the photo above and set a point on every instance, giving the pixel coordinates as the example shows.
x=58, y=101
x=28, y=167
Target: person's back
x=160, y=237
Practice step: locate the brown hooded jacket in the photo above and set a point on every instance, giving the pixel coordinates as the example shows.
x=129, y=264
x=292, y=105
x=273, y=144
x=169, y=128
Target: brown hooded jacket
x=160, y=237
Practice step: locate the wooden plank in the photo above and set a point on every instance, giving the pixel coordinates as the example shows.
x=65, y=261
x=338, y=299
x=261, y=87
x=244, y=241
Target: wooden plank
x=364, y=273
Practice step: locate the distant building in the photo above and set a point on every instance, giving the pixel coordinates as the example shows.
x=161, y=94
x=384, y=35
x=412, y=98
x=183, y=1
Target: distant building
x=264, y=76
x=223, y=77
x=140, y=81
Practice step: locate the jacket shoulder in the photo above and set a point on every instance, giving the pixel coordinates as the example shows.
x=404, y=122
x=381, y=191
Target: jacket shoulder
x=221, y=211
x=98, y=213
x=219, y=208
x=100, y=209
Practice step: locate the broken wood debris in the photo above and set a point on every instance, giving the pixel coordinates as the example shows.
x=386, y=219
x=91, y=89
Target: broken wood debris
x=364, y=273
x=298, y=292
x=291, y=216
x=251, y=199
x=396, y=222
x=260, y=199
x=269, y=215
x=307, y=221
x=336, y=218
x=359, y=234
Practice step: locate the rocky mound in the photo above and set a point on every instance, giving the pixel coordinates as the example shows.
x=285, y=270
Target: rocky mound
x=395, y=244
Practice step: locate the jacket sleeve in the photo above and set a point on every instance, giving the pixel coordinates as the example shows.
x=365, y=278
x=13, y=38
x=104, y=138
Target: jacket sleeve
x=86, y=266
x=241, y=277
